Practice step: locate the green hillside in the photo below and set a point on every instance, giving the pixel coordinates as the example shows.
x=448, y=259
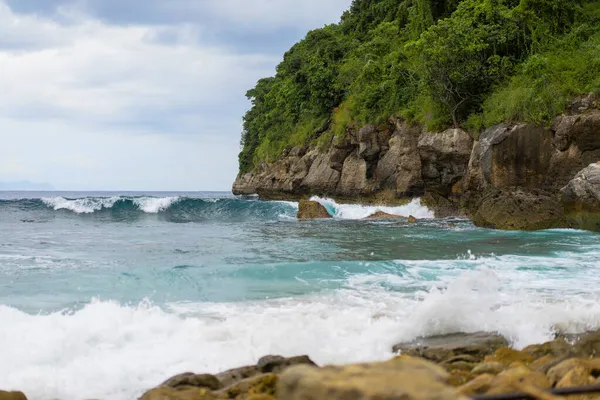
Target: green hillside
x=443, y=63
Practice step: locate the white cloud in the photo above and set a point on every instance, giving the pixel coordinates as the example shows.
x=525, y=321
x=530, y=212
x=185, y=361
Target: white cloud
x=89, y=105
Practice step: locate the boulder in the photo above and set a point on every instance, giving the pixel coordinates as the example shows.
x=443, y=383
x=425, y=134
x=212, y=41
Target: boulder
x=311, y=210
x=383, y=215
x=190, y=379
x=444, y=158
x=400, y=166
x=353, y=181
x=441, y=206
x=12, y=395
x=258, y=385
x=518, y=209
x=267, y=364
x=511, y=156
x=321, y=178
x=412, y=220
x=517, y=380
x=444, y=347
x=181, y=393
x=403, y=378
x=581, y=198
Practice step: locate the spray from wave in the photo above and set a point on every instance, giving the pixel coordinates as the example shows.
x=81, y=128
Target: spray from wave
x=357, y=211
x=110, y=350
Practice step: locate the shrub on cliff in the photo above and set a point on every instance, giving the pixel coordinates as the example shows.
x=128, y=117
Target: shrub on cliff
x=438, y=62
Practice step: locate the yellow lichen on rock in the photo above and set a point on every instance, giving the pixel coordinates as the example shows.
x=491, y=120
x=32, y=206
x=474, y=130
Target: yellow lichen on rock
x=12, y=395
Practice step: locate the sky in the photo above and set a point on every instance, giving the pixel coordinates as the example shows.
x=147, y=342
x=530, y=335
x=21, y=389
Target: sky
x=137, y=94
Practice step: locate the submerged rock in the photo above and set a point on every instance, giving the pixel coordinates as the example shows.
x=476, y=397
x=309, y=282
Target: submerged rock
x=444, y=347
x=311, y=210
x=519, y=209
x=581, y=198
x=383, y=215
x=403, y=378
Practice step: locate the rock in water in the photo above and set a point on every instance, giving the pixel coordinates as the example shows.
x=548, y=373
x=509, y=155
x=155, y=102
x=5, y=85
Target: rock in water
x=12, y=395
x=519, y=209
x=383, y=215
x=581, y=199
x=444, y=347
x=412, y=220
x=311, y=210
x=403, y=378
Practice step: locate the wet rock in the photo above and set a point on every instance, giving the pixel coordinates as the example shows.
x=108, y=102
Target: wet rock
x=444, y=347
x=258, y=385
x=403, y=378
x=591, y=367
x=489, y=368
x=581, y=198
x=311, y=210
x=588, y=345
x=477, y=386
x=189, y=379
x=513, y=380
x=181, y=393
x=12, y=395
x=519, y=209
x=412, y=220
x=383, y=215
x=578, y=376
x=507, y=356
x=554, y=348
x=277, y=364
x=441, y=206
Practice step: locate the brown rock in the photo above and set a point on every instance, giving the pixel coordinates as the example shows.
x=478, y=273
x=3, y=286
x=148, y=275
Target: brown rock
x=588, y=345
x=412, y=220
x=264, y=384
x=444, y=347
x=543, y=364
x=353, y=181
x=441, y=206
x=321, y=178
x=578, y=376
x=12, y=395
x=507, y=356
x=189, y=379
x=311, y=210
x=477, y=386
x=383, y=215
x=514, y=379
x=554, y=348
x=519, y=209
x=488, y=368
x=277, y=364
x=403, y=378
x=182, y=393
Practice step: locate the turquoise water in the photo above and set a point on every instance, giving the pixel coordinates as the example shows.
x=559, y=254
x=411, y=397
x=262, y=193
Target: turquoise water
x=103, y=295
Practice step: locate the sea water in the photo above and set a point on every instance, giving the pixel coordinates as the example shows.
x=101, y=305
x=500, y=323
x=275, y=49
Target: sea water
x=105, y=295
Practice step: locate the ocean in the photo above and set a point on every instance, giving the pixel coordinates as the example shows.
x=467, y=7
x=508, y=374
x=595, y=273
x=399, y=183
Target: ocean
x=105, y=295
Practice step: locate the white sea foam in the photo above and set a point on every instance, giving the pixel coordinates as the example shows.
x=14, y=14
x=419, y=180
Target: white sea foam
x=113, y=351
x=86, y=205
x=356, y=211
x=89, y=205
x=153, y=205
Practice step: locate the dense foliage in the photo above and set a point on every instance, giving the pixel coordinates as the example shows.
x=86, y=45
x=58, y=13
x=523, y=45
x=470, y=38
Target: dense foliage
x=469, y=63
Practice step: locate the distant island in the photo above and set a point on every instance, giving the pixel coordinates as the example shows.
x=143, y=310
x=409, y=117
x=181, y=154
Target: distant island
x=25, y=185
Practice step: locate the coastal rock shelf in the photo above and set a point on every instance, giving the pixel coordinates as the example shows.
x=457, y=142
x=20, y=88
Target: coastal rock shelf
x=516, y=177
x=452, y=367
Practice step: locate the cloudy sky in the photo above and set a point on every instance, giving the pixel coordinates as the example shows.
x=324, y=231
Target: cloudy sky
x=137, y=94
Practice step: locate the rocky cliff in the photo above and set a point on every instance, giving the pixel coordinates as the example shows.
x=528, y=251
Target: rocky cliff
x=510, y=177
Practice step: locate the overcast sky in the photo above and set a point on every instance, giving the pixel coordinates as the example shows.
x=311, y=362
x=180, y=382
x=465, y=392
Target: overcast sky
x=137, y=94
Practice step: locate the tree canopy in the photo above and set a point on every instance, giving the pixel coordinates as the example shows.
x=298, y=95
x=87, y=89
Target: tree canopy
x=469, y=63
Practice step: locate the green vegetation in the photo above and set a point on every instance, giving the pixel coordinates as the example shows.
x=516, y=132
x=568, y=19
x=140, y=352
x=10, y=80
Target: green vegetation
x=469, y=63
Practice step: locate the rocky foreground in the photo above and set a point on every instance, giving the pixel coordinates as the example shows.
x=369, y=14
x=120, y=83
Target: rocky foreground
x=449, y=367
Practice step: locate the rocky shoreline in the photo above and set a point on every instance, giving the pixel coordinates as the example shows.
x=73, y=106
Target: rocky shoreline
x=454, y=366
x=511, y=176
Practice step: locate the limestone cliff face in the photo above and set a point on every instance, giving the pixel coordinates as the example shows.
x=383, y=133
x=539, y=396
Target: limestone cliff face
x=373, y=163
x=510, y=171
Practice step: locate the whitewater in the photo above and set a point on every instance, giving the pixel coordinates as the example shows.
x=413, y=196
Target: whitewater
x=105, y=295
